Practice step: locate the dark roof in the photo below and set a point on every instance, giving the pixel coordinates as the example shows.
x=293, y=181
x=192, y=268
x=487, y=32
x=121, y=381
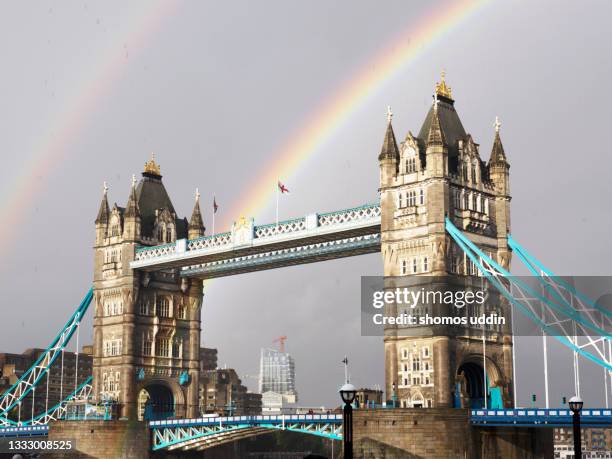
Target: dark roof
x=498, y=156
x=451, y=127
x=104, y=211
x=196, y=222
x=151, y=196
x=389, y=147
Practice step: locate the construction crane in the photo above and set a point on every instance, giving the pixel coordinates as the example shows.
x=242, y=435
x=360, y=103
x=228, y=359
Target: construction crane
x=281, y=340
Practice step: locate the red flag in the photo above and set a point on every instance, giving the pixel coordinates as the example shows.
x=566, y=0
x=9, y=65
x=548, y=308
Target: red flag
x=282, y=188
x=215, y=206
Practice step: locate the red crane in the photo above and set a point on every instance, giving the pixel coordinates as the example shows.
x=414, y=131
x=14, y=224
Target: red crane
x=281, y=340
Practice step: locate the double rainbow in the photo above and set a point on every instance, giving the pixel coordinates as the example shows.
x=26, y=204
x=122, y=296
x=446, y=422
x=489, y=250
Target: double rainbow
x=308, y=139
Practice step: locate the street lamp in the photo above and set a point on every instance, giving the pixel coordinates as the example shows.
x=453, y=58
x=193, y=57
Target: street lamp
x=575, y=404
x=347, y=392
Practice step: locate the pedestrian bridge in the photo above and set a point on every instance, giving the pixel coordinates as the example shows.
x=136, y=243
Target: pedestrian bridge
x=249, y=247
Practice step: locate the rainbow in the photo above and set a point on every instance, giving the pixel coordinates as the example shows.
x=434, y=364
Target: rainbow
x=308, y=139
x=50, y=150
x=323, y=122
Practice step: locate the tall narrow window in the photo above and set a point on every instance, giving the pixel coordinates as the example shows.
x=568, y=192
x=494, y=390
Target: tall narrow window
x=414, y=265
x=474, y=175
x=425, y=265
x=421, y=196
x=169, y=234
x=404, y=267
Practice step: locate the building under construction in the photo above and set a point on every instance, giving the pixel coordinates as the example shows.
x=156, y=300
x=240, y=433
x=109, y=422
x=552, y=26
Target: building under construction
x=277, y=378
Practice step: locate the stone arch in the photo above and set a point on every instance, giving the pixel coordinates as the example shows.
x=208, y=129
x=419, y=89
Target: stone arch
x=470, y=387
x=417, y=400
x=159, y=398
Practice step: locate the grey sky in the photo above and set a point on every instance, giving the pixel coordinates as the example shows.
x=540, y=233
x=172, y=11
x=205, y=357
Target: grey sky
x=214, y=91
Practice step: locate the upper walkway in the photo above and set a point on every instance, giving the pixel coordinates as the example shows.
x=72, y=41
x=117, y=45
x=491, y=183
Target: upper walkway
x=249, y=247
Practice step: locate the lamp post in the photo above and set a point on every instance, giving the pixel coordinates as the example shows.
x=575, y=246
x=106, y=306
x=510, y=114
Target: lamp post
x=575, y=404
x=393, y=393
x=347, y=392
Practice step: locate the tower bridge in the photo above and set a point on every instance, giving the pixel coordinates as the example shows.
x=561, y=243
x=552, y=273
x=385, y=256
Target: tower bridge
x=443, y=211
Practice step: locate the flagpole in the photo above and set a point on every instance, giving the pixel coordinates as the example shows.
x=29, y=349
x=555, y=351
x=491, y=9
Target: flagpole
x=277, y=204
x=214, y=212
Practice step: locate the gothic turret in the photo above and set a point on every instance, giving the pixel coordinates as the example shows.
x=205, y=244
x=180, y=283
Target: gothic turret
x=389, y=153
x=131, y=216
x=436, y=150
x=498, y=164
x=102, y=218
x=196, y=225
x=389, y=148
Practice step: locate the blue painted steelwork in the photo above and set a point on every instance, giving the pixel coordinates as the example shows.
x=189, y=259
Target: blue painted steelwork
x=534, y=417
x=478, y=256
x=29, y=431
x=287, y=255
x=179, y=433
x=531, y=262
x=30, y=379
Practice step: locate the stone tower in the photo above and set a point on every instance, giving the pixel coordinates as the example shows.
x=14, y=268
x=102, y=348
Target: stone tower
x=146, y=325
x=423, y=180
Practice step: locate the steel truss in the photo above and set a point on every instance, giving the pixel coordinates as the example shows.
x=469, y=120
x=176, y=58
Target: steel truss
x=204, y=433
x=556, y=307
x=32, y=377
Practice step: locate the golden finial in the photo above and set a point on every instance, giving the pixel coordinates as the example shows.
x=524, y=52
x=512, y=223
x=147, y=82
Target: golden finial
x=442, y=89
x=151, y=167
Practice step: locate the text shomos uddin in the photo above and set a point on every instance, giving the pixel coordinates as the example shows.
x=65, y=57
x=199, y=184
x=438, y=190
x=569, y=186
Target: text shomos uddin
x=411, y=297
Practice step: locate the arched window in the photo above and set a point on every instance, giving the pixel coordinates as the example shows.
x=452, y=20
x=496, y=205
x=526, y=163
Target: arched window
x=160, y=233
x=425, y=265
x=169, y=233
x=414, y=265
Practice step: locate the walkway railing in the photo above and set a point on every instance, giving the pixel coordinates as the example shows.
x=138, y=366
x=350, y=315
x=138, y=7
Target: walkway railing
x=251, y=238
x=536, y=417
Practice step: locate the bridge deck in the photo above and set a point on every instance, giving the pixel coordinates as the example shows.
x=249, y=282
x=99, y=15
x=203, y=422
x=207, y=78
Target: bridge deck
x=248, y=247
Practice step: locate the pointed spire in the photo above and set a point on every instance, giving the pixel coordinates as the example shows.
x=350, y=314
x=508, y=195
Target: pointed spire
x=104, y=211
x=196, y=224
x=498, y=156
x=435, y=136
x=131, y=209
x=389, y=148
